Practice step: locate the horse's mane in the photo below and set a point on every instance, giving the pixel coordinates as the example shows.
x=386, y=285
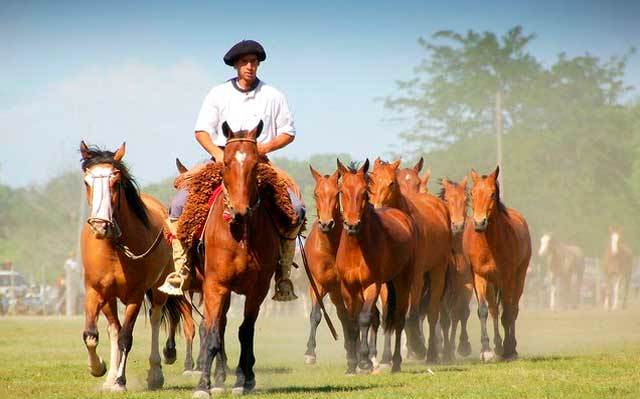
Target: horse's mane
x=353, y=166
x=129, y=185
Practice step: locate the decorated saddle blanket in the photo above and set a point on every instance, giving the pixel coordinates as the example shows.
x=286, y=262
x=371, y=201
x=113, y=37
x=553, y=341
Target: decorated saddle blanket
x=205, y=186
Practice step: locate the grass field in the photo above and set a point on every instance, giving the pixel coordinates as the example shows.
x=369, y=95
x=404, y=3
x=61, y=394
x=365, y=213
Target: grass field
x=574, y=354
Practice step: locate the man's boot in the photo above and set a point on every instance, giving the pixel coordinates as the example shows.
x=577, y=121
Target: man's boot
x=179, y=280
x=284, y=286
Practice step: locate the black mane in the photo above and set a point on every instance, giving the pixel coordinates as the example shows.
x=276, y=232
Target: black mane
x=501, y=206
x=129, y=186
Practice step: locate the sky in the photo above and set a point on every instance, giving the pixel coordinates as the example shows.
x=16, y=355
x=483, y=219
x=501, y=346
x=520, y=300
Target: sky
x=137, y=71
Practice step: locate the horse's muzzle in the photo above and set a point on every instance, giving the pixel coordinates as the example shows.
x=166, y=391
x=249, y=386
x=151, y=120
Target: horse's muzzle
x=326, y=227
x=481, y=225
x=352, y=228
x=102, y=229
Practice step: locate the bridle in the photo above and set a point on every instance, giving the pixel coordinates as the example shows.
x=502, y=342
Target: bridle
x=254, y=207
x=115, y=228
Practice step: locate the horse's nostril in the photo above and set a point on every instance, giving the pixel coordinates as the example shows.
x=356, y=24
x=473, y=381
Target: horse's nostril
x=332, y=224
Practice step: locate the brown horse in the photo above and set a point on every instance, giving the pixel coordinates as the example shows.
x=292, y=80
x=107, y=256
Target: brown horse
x=617, y=266
x=397, y=189
x=321, y=248
x=377, y=246
x=498, y=245
x=563, y=262
x=240, y=256
x=459, y=276
x=123, y=222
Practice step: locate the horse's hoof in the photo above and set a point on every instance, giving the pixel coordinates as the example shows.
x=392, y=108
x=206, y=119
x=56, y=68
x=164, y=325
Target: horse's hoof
x=375, y=362
x=200, y=394
x=464, y=349
x=155, y=382
x=216, y=391
x=309, y=359
x=107, y=385
x=364, y=370
x=510, y=357
x=170, y=355
x=384, y=366
x=395, y=369
x=487, y=356
x=118, y=388
x=100, y=371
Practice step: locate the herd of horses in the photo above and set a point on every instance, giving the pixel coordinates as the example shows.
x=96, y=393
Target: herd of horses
x=379, y=238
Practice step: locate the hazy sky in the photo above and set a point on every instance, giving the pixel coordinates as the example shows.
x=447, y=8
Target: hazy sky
x=137, y=71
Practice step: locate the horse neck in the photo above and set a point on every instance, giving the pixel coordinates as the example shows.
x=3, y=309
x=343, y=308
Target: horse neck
x=498, y=221
x=132, y=228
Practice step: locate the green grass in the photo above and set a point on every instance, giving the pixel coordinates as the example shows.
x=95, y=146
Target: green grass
x=577, y=354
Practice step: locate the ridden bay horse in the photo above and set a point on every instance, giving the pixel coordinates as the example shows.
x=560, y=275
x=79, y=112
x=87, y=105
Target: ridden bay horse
x=498, y=245
x=433, y=236
x=563, y=262
x=240, y=256
x=123, y=223
x=459, y=276
x=377, y=246
x=617, y=266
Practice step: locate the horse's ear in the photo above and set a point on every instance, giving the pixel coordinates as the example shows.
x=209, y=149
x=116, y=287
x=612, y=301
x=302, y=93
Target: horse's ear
x=226, y=130
x=463, y=183
x=418, y=165
x=425, y=178
x=365, y=167
x=120, y=153
x=335, y=175
x=314, y=173
x=444, y=181
x=341, y=169
x=181, y=168
x=84, y=150
x=255, y=133
x=496, y=173
x=475, y=176
x=396, y=164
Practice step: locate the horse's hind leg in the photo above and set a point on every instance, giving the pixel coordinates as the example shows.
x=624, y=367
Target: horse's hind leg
x=436, y=289
x=314, y=320
x=445, y=326
x=189, y=330
x=110, y=311
x=93, y=304
x=169, y=350
x=155, y=379
x=463, y=313
x=492, y=298
x=364, y=323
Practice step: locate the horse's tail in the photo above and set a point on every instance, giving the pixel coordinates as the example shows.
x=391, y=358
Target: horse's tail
x=389, y=317
x=174, y=310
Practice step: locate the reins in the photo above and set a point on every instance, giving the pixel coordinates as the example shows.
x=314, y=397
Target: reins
x=129, y=253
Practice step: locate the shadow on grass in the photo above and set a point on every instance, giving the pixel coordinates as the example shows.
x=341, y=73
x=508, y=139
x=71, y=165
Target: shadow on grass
x=317, y=389
x=273, y=370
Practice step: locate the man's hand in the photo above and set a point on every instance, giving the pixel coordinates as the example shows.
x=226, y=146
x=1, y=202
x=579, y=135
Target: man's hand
x=281, y=140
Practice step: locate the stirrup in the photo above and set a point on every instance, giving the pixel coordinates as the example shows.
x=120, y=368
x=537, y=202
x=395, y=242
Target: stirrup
x=169, y=288
x=284, y=291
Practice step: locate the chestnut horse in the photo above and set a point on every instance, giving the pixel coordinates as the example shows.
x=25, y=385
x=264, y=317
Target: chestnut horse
x=400, y=188
x=240, y=256
x=617, y=266
x=459, y=277
x=321, y=248
x=123, y=222
x=563, y=262
x=377, y=246
x=498, y=245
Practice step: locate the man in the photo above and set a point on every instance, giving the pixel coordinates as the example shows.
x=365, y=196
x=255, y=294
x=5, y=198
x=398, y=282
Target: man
x=244, y=97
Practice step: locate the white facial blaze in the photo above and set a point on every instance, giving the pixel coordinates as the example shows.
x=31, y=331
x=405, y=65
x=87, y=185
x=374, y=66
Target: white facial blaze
x=407, y=177
x=615, y=237
x=98, y=179
x=544, y=244
x=240, y=157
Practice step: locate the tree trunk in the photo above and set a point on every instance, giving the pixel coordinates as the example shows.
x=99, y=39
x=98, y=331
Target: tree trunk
x=497, y=122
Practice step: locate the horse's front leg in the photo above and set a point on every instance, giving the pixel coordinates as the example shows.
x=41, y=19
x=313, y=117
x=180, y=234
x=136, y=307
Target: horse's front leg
x=220, y=372
x=480, y=284
x=155, y=378
x=373, y=337
x=370, y=297
x=93, y=303
x=245, y=377
x=215, y=297
x=315, y=317
x=189, y=330
x=110, y=311
x=125, y=341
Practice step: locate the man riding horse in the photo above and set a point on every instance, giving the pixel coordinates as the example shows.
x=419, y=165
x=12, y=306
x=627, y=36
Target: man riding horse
x=244, y=96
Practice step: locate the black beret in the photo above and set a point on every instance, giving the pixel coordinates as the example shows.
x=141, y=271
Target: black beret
x=243, y=48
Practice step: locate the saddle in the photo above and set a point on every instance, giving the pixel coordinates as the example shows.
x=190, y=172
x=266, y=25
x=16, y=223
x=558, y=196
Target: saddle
x=206, y=181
